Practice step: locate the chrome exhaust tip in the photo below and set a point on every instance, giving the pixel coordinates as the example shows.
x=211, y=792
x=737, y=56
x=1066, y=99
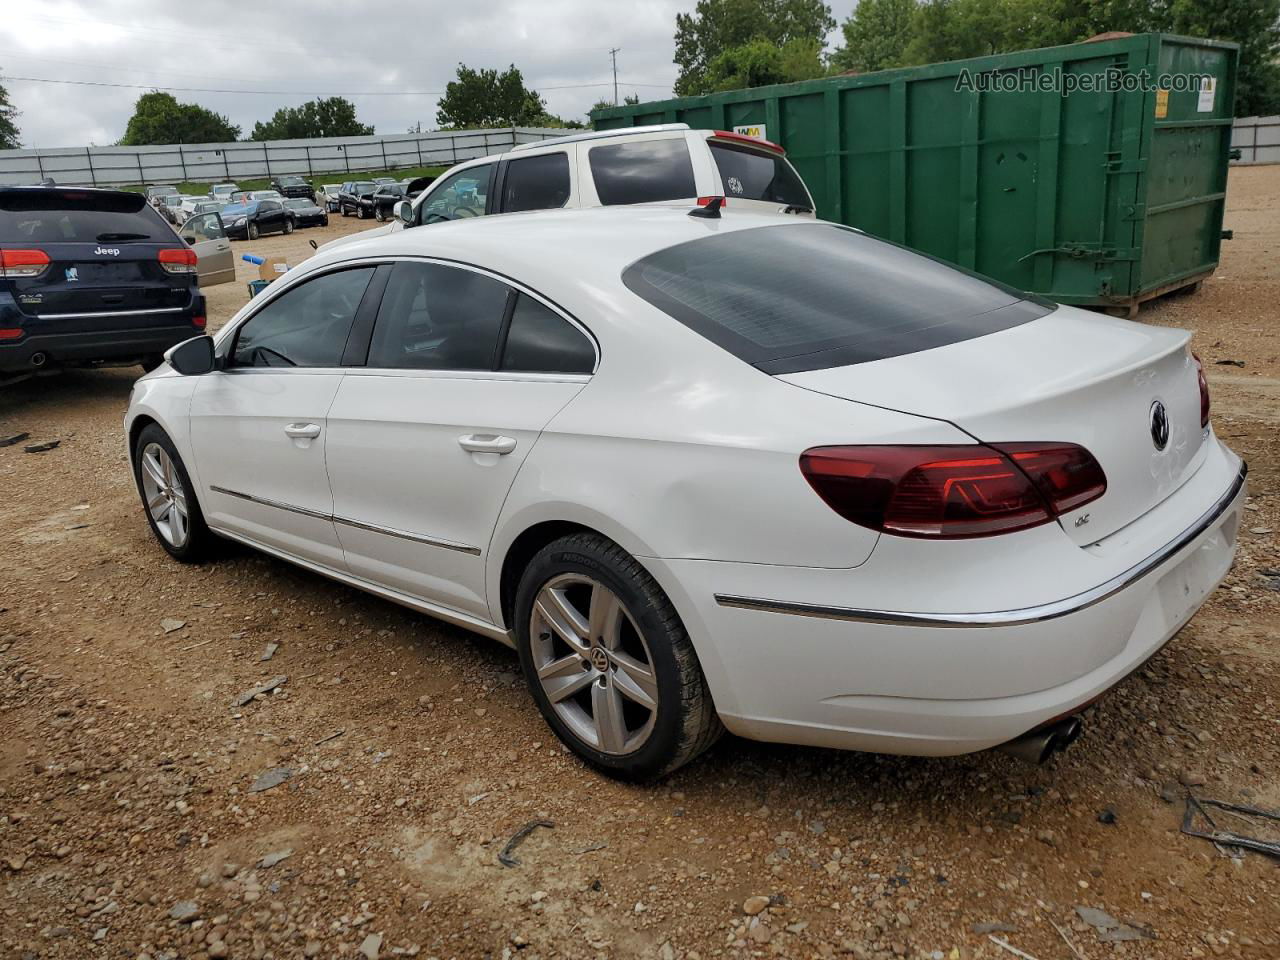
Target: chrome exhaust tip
x=39, y=359
x=1038, y=745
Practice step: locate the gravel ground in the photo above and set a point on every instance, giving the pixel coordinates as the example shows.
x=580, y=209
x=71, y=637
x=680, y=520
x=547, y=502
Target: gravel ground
x=401, y=754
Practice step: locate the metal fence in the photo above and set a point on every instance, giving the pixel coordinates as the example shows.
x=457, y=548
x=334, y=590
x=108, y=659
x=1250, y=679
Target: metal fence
x=1257, y=139
x=213, y=162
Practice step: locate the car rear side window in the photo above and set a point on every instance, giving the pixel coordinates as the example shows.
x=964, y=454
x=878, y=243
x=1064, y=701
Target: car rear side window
x=758, y=175
x=642, y=171
x=435, y=317
x=536, y=183
x=305, y=327
x=541, y=341
x=48, y=215
x=808, y=296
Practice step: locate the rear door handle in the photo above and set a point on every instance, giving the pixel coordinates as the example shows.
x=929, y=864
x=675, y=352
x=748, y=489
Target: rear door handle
x=303, y=431
x=487, y=443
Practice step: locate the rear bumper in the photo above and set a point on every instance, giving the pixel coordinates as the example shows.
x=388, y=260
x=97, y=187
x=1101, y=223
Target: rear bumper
x=108, y=345
x=856, y=676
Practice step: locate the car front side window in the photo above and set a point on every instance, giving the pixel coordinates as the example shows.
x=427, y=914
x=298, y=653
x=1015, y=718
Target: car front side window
x=307, y=326
x=464, y=194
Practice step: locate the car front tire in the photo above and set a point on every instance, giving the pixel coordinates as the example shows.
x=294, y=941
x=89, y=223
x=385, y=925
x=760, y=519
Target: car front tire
x=360, y=213
x=252, y=231
x=608, y=660
x=288, y=227
x=169, y=498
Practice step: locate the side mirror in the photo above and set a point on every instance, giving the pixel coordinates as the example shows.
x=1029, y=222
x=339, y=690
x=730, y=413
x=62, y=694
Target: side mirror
x=404, y=213
x=193, y=357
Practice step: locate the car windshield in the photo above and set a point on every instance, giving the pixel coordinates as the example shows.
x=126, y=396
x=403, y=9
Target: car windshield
x=48, y=215
x=239, y=209
x=391, y=189
x=812, y=296
x=298, y=204
x=292, y=182
x=363, y=186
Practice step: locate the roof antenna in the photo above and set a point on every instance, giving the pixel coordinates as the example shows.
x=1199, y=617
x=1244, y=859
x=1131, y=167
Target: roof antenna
x=710, y=210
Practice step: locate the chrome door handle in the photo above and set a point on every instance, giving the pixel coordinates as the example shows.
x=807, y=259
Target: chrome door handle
x=487, y=443
x=303, y=431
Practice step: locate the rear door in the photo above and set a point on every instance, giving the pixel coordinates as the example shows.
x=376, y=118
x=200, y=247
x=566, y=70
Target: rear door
x=205, y=235
x=101, y=256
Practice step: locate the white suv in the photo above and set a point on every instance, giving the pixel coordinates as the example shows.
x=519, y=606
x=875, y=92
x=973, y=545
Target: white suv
x=657, y=164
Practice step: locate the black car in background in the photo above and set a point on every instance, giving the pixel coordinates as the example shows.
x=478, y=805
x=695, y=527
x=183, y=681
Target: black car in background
x=291, y=186
x=247, y=221
x=349, y=198
x=90, y=277
x=306, y=213
x=383, y=201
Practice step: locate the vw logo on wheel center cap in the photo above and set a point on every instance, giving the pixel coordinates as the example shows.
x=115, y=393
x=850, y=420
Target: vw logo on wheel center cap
x=1159, y=425
x=600, y=659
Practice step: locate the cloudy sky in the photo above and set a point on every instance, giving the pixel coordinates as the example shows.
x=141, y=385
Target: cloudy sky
x=372, y=53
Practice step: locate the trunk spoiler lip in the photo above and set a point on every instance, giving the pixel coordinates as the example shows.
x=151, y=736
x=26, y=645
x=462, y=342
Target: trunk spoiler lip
x=1009, y=618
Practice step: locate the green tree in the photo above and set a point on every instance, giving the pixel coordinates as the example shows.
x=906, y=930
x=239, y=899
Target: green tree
x=718, y=26
x=1255, y=25
x=9, y=137
x=760, y=62
x=327, y=117
x=159, y=118
x=486, y=98
x=875, y=35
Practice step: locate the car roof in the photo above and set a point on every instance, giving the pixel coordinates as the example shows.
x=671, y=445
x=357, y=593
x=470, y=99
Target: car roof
x=600, y=135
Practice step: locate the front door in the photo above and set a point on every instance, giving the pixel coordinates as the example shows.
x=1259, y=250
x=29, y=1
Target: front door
x=205, y=235
x=425, y=441
x=258, y=426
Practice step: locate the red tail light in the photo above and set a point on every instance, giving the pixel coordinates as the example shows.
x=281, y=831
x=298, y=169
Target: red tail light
x=178, y=261
x=1204, y=392
x=24, y=263
x=10, y=333
x=703, y=201
x=753, y=141
x=198, y=322
x=949, y=492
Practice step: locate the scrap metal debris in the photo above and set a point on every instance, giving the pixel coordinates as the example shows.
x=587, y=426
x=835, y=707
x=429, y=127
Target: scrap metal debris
x=252, y=692
x=270, y=779
x=271, y=859
x=1006, y=945
x=1111, y=930
x=269, y=652
x=41, y=447
x=13, y=438
x=1225, y=838
x=504, y=855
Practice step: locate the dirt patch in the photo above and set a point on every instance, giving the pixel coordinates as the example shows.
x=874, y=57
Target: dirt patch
x=413, y=753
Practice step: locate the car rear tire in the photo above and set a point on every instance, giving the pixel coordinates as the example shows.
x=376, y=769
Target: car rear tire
x=288, y=227
x=168, y=497
x=252, y=231
x=608, y=661
x=377, y=215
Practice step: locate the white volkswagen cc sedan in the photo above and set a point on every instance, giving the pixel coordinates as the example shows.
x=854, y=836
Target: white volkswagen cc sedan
x=753, y=473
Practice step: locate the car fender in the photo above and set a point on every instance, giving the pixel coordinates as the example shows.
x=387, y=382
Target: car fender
x=165, y=397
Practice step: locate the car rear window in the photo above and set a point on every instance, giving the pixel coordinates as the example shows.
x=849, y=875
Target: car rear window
x=642, y=171
x=816, y=295
x=47, y=215
x=758, y=175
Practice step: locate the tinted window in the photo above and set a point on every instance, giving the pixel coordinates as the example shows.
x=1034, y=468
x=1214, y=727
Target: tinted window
x=811, y=296
x=536, y=183
x=642, y=171
x=462, y=195
x=47, y=215
x=434, y=317
x=758, y=175
x=540, y=341
x=306, y=327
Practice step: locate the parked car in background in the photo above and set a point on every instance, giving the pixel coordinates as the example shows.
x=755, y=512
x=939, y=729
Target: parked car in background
x=91, y=276
x=306, y=213
x=169, y=204
x=293, y=186
x=239, y=196
x=157, y=190
x=660, y=164
x=247, y=221
x=222, y=191
x=752, y=472
x=383, y=200
x=191, y=205
x=265, y=195
x=330, y=198
x=349, y=198
x=381, y=180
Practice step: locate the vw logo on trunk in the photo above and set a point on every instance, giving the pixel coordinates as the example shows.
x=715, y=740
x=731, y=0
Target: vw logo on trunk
x=1159, y=425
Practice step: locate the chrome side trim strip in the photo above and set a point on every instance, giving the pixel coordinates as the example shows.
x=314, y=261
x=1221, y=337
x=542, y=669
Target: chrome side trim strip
x=1003, y=618
x=111, y=313
x=405, y=535
x=347, y=521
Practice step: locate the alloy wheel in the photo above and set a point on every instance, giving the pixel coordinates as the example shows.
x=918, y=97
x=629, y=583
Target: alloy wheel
x=165, y=496
x=593, y=664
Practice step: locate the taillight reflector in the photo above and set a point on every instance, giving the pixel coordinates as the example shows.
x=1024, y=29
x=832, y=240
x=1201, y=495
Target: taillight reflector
x=950, y=492
x=1204, y=392
x=703, y=201
x=178, y=261
x=198, y=322
x=24, y=263
x=10, y=333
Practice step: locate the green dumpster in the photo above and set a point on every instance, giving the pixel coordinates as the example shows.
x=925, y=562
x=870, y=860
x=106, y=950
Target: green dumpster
x=1093, y=173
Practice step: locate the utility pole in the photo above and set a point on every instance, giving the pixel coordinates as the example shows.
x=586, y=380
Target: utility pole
x=614, y=54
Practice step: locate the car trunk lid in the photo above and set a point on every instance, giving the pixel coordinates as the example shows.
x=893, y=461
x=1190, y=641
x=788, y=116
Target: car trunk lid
x=1070, y=376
